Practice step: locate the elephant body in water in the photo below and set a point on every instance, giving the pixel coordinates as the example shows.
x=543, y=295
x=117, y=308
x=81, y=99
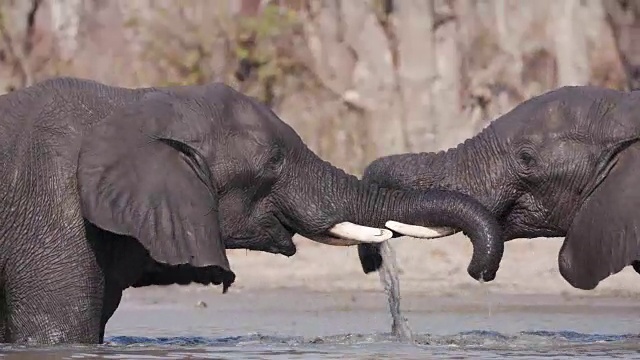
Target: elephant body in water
x=106, y=188
x=562, y=164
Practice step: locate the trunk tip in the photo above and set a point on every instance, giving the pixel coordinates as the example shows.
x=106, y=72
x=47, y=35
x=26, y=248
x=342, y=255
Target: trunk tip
x=370, y=257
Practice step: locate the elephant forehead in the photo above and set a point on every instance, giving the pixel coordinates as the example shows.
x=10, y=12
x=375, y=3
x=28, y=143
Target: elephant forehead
x=248, y=123
x=247, y=149
x=568, y=113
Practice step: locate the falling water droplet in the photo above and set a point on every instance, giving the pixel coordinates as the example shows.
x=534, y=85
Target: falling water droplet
x=391, y=282
x=487, y=292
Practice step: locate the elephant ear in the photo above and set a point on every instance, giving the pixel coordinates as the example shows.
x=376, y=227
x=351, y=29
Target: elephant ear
x=136, y=180
x=604, y=236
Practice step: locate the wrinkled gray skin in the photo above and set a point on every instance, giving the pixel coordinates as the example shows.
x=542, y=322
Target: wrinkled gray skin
x=106, y=188
x=563, y=164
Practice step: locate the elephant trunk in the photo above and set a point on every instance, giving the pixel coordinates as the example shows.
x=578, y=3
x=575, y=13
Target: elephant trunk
x=436, y=213
x=323, y=198
x=468, y=169
x=471, y=168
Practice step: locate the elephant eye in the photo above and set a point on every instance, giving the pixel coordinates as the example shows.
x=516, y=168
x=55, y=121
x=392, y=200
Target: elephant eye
x=527, y=158
x=275, y=160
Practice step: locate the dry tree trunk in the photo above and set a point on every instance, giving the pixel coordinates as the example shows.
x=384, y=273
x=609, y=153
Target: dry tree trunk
x=570, y=42
x=624, y=20
x=353, y=59
x=65, y=20
x=417, y=69
x=451, y=127
x=17, y=24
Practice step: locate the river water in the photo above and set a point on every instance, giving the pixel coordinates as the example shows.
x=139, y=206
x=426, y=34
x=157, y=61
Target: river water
x=201, y=323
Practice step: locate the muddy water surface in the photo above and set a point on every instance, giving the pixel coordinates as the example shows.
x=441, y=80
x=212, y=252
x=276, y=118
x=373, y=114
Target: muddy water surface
x=174, y=323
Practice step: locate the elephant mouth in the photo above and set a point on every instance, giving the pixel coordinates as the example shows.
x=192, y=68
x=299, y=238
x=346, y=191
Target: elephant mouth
x=262, y=244
x=520, y=221
x=277, y=238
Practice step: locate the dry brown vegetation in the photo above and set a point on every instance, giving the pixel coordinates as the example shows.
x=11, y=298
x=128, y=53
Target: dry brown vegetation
x=357, y=79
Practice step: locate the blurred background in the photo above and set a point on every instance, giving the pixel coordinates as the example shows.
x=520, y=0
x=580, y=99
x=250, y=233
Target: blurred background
x=357, y=79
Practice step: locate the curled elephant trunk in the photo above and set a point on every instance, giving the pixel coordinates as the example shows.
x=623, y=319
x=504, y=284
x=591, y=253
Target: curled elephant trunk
x=325, y=204
x=439, y=213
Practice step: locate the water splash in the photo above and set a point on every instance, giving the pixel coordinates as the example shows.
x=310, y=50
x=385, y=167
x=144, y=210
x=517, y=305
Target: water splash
x=391, y=282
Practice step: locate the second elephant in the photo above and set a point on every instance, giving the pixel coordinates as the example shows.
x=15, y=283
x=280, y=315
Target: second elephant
x=562, y=164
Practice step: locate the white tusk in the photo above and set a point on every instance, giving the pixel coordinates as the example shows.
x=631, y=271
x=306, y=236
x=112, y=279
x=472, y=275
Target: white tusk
x=421, y=232
x=359, y=233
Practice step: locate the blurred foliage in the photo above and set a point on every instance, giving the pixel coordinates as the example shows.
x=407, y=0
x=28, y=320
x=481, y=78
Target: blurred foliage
x=264, y=44
x=185, y=51
x=257, y=38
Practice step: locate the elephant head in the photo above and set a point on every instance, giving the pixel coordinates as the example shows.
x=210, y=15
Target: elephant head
x=192, y=171
x=562, y=164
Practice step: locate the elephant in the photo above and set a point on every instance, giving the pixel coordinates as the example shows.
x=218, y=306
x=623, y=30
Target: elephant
x=564, y=163
x=106, y=188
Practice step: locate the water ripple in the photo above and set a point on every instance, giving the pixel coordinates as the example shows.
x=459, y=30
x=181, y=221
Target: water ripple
x=480, y=344
x=199, y=340
x=474, y=337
